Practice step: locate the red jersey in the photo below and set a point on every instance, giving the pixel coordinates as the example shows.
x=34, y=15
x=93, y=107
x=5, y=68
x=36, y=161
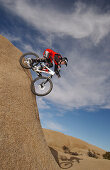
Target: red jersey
x=52, y=56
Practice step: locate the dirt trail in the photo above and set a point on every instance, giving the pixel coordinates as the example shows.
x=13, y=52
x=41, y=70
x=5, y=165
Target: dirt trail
x=22, y=142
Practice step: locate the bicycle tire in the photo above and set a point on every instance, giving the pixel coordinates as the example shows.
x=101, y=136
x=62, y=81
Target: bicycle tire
x=24, y=55
x=65, y=165
x=33, y=88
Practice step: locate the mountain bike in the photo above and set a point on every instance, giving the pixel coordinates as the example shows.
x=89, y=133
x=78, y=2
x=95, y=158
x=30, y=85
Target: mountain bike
x=41, y=85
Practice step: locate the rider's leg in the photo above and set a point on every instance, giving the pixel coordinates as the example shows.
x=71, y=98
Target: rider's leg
x=32, y=61
x=49, y=64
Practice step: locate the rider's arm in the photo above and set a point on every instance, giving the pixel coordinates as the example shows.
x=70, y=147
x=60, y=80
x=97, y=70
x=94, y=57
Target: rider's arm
x=56, y=59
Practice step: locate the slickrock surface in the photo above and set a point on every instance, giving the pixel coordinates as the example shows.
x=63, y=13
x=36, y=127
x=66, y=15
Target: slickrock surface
x=69, y=160
x=22, y=142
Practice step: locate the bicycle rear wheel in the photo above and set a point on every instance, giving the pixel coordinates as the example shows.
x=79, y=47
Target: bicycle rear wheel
x=41, y=86
x=25, y=57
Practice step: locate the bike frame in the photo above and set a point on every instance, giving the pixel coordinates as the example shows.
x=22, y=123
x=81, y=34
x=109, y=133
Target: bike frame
x=37, y=69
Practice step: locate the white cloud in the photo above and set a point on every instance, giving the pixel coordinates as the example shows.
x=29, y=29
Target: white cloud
x=54, y=126
x=86, y=82
x=82, y=22
x=27, y=47
x=24, y=46
x=46, y=41
x=60, y=114
x=11, y=37
x=106, y=106
x=42, y=103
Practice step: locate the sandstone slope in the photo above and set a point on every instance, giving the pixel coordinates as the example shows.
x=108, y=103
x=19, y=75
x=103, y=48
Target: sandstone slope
x=22, y=143
x=81, y=161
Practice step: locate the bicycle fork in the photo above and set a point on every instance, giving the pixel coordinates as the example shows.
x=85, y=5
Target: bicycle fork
x=48, y=78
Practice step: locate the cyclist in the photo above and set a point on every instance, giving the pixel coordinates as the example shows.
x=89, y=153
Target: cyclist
x=50, y=56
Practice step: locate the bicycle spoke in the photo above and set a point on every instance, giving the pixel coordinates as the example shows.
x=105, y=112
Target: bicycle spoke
x=41, y=87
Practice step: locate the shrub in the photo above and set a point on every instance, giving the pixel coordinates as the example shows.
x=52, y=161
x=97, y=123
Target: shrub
x=74, y=153
x=106, y=155
x=92, y=154
x=66, y=149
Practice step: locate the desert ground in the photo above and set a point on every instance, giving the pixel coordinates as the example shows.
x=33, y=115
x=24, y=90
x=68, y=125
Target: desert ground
x=75, y=155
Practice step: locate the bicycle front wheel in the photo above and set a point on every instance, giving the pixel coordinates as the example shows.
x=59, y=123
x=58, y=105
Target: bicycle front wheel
x=41, y=86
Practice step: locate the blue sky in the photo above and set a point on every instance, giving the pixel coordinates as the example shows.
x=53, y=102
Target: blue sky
x=79, y=104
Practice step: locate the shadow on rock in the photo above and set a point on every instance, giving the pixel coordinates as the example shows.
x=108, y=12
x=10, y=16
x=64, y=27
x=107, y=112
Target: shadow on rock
x=55, y=154
x=68, y=163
